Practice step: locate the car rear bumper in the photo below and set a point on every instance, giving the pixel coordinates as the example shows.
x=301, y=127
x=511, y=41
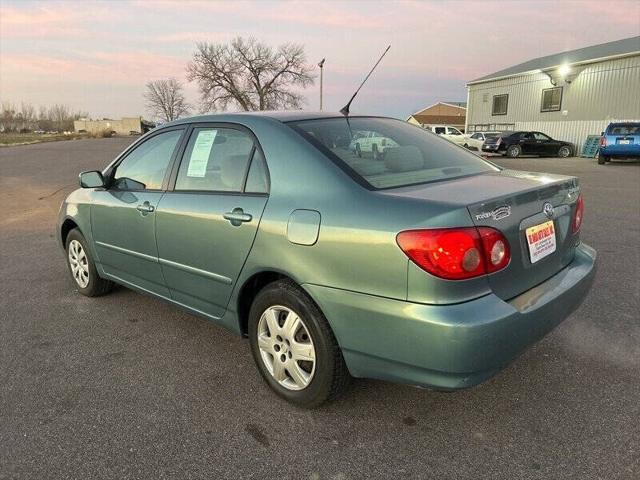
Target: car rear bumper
x=449, y=347
x=621, y=150
x=490, y=148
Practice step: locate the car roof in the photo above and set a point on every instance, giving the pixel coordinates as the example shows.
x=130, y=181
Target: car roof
x=283, y=116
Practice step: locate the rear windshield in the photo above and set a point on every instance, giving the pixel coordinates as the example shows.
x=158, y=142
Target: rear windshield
x=387, y=153
x=624, y=130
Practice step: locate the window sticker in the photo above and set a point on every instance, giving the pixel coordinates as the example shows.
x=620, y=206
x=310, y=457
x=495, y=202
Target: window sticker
x=200, y=153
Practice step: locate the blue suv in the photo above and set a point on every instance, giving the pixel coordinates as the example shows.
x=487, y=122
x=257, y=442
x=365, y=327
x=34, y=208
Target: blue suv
x=620, y=140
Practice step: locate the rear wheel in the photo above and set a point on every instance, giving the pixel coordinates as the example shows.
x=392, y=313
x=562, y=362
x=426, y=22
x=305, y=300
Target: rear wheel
x=602, y=159
x=82, y=267
x=514, y=151
x=564, y=151
x=294, y=347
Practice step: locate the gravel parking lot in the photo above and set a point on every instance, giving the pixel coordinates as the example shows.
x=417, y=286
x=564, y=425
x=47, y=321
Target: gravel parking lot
x=126, y=386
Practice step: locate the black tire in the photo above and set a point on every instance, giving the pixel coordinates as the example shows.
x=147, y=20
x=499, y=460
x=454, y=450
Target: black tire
x=602, y=159
x=466, y=145
x=96, y=286
x=514, y=151
x=358, y=150
x=565, y=151
x=331, y=376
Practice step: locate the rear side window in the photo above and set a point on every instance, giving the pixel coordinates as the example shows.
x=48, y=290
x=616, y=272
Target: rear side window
x=400, y=154
x=215, y=160
x=257, y=178
x=144, y=168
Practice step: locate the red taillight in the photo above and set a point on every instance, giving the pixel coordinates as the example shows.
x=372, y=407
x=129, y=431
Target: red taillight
x=603, y=141
x=578, y=214
x=456, y=253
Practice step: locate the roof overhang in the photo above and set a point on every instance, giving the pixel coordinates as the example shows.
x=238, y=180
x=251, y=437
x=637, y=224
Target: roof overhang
x=554, y=67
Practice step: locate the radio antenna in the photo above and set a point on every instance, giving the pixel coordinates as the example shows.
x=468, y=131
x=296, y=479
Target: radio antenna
x=345, y=109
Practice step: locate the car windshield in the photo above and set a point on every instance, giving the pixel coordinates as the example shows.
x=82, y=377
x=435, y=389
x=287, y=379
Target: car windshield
x=387, y=153
x=624, y=130
x=492, y=134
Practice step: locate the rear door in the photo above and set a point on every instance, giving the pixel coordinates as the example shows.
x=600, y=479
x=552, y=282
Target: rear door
x=546, y=145
x=529, y=144
x=123, y=216
x=207, y=221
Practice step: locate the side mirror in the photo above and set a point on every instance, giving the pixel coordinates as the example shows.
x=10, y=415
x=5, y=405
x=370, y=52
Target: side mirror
x=91, y=179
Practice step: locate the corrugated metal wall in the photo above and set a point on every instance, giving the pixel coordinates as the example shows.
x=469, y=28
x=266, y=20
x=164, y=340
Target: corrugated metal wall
x=597, y=94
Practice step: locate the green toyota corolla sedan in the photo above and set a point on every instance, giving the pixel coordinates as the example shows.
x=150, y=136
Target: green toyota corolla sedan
x=423, y=264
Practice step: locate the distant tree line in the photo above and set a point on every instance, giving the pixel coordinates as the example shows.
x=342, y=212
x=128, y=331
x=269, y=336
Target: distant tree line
x=25, y=118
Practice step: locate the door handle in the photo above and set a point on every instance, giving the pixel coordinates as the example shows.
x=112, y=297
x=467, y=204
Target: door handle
x=237, y=217
x=146, y=207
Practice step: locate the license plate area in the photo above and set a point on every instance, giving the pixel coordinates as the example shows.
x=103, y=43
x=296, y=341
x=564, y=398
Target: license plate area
x=624, y=141
x=541, y=240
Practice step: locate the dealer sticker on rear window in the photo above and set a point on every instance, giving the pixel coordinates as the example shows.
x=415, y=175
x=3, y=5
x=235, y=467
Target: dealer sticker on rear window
x=542, y=240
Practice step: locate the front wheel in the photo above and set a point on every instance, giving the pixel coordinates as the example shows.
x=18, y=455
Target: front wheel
x=564, y=152
x=514, y=151
x=294, y=347
x=82, y=267
x=376, y=153
x=358, y=150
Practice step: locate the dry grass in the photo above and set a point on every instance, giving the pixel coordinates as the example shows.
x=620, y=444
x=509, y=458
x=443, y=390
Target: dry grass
x=12, y=139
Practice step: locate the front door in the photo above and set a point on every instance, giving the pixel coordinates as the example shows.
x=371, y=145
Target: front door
x=123, y=216
x=206, y=224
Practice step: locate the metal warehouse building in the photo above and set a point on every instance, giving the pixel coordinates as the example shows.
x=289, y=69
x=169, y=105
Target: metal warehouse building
x=568, y=95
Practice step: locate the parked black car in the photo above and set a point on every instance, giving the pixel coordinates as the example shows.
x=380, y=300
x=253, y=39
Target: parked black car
x=514, y=144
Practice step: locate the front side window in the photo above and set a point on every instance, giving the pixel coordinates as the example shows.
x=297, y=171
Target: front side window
x=500, y=104
x=454, y=131
x=477, y=136
x=145, y=167
x=440, y=130
x=215, y=160
x=410, y=155
x=551, y=99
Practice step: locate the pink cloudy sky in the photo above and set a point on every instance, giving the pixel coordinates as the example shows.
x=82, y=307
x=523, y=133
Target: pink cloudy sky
x=97, y=56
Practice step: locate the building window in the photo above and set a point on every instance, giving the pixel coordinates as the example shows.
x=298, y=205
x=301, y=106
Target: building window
x=500, y=103
x=551, y=99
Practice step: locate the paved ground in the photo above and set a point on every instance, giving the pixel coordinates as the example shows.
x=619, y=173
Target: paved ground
x=127, y=386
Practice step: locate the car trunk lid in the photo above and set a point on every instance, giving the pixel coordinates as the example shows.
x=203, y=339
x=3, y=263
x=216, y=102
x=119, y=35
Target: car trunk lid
x=512, y=202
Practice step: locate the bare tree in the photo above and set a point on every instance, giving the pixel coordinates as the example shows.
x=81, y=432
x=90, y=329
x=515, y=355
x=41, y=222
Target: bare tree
x=249, y=75
x=165, y=99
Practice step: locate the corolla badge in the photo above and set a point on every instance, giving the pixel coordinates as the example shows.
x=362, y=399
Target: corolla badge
x=547, y=209
x=497, y=214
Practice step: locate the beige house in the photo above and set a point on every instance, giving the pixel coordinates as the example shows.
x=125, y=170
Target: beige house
x=124, y=126
x=441, y=113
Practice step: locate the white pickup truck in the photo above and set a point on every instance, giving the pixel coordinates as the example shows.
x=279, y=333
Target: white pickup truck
x=450, y=133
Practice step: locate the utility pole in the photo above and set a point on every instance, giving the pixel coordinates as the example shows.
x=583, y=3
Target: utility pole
x=321, y=65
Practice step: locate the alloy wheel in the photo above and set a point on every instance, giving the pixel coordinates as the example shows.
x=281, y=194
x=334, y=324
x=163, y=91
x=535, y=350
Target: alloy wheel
x=79, y=263
x=286, y=347
x=564, y=152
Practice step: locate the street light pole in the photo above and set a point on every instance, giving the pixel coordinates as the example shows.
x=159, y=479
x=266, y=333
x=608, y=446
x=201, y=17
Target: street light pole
x=321, y=65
